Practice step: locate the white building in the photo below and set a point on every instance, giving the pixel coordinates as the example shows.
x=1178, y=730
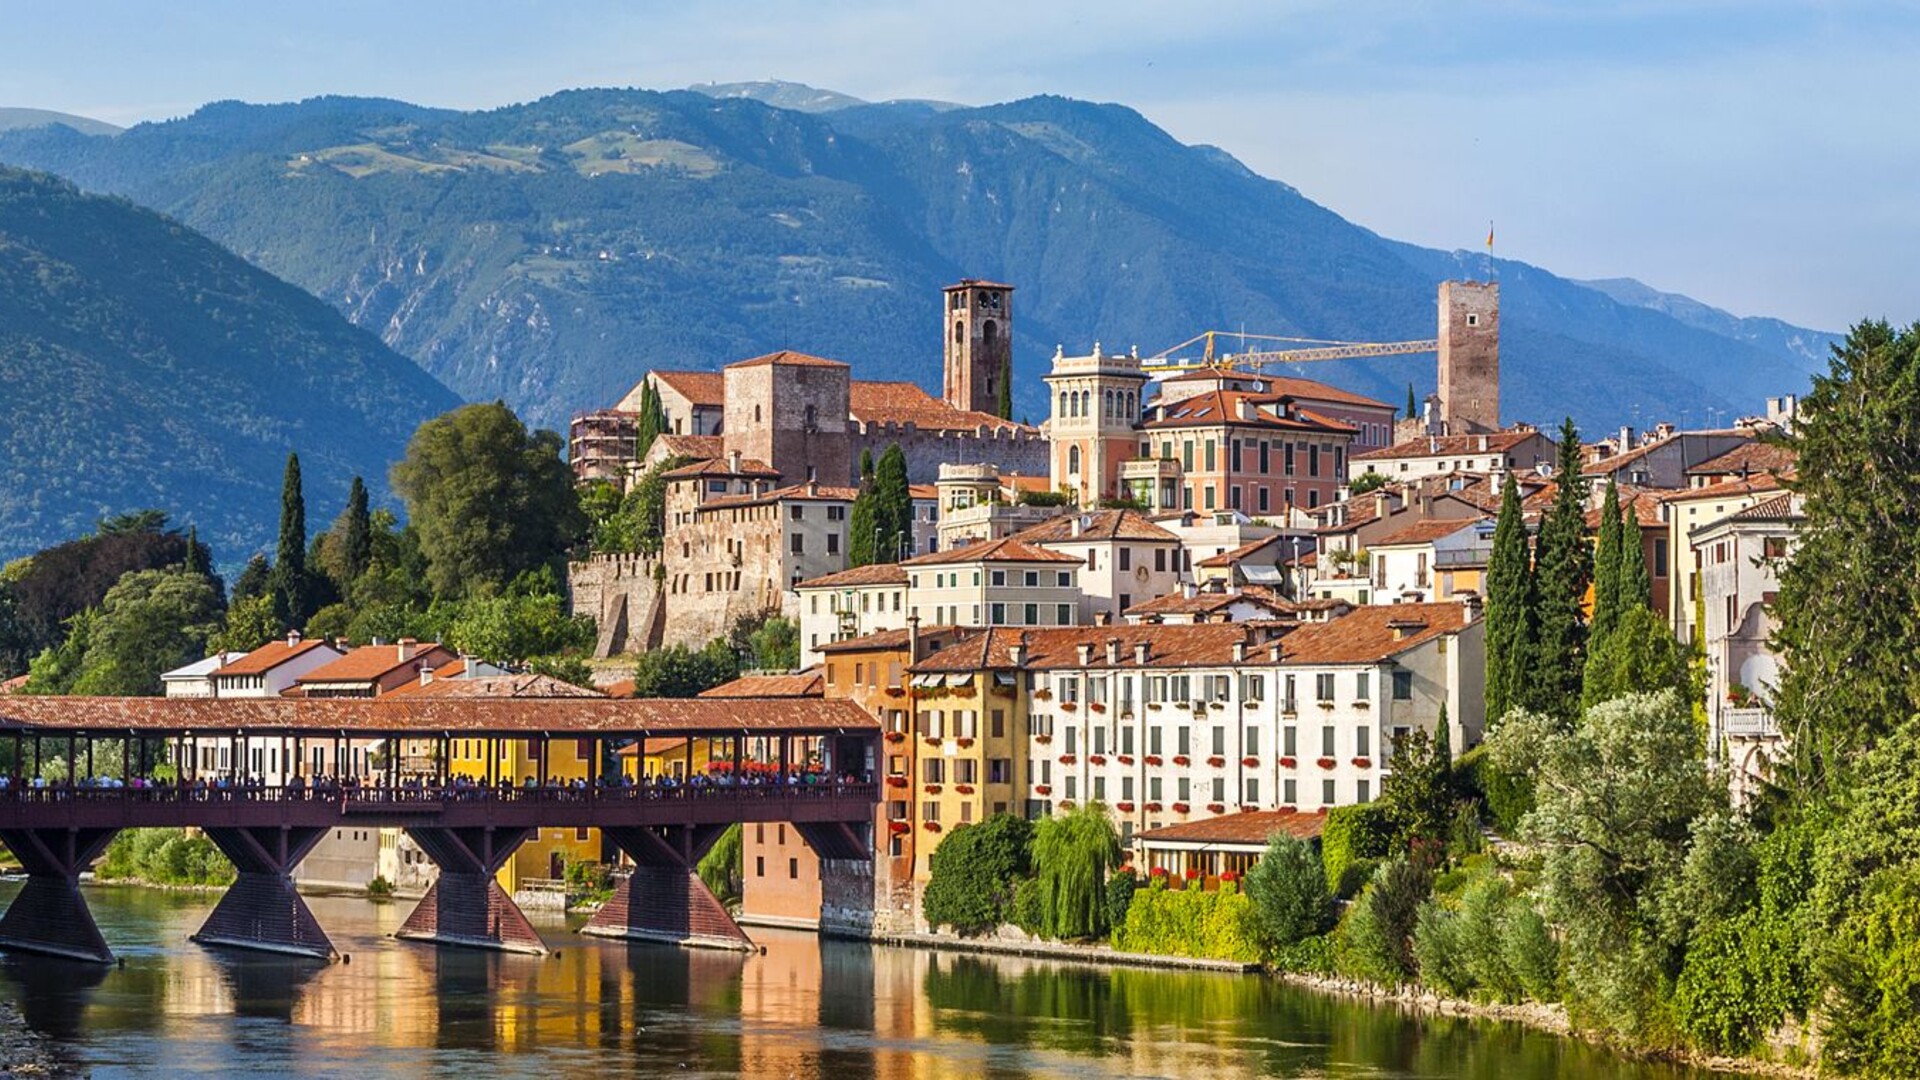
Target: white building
x=1691, y=509
x=998, y=583
x=1430, y=560
x=850, y=604
x=196, y=679
x=1740, y=557
x=1125, y=557
x=1517, y=448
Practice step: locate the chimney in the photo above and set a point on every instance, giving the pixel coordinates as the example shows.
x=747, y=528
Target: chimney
x=1085, y=649
x=406, y=647
x=1189, y=590
x=733, y=461
x=1240, y=651
x=1483, y=444
x=426, y=674
x=1273, y=651
x=1078, y=525
x=1113, y=652
x=1017, y=652
x=813, y=486
x=1433, y=444
x=1142, y=651
x=293, y=639
x=1382, y=506
x=1247, y=409
x=1626, y=438
x=1103, y=618
x=913, y=639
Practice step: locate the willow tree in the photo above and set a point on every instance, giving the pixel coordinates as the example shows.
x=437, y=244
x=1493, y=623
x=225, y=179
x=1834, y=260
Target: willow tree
x=1071, y=855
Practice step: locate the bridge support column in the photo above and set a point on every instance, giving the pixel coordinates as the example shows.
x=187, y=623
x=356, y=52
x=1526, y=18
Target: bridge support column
x=466, y=906
x=846, y=855
x=663, y=899
x=261, y=910
x=49, y=916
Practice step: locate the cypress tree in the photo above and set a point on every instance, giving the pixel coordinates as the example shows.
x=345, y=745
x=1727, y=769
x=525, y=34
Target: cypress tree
x=1635, y=586
x=199, y=559
x=860, y=522
x=357, y=542
x=892, y=507
x=1413, y=403
x=1607, y=564
x=290, y=562
x=1563, y=569
x=653, y=419
x=1509, y=604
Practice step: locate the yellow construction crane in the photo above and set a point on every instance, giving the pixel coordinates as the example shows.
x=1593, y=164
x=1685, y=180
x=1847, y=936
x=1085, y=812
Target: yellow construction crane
x=1305, y=349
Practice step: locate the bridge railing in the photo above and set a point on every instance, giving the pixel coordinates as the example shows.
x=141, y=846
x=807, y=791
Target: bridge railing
x=437, y=796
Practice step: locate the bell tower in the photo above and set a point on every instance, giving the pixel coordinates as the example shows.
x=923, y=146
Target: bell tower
x=1469, y=357
x=979, y=345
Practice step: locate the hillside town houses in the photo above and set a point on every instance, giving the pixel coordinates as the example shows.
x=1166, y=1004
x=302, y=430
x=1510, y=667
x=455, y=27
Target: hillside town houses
x=1166, y=599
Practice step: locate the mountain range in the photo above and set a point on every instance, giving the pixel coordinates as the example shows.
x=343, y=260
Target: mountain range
x=144, y=366
x=548, y=253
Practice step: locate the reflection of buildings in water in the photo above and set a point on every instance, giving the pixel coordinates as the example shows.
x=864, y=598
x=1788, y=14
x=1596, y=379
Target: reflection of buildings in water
x=53, y=997
x=380, y=992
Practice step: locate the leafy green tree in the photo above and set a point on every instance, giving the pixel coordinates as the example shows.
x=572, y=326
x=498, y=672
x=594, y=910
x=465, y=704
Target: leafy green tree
x=609, y=528
x=489, y=498
x=1640, y=656
x=1417, y=796
x=356, y=535
x=151, y=622
x=1562, y=571
x=774, y=644
x=644, y=511
x=512, y=628
x=1848, y=608
x=51, y=586
x=679, y=672
x=1510, y=614
x=568, y=669
x=290, y=587
x=1635, y=586
x=1365, y=482
x=1288, y=887
x=1413, y=404
x=1071, y=853
x=861, y=529
x=1375, y=941
x=973, y=873
x=892, y=507
x=199, y=556
x=723, y=867
x=250, y=623
x=254, y=580
x=1607, y=566
x=58, y=667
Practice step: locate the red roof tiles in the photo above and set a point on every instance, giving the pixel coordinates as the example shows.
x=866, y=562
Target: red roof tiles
x=1088, y=526
x=803, y=684
x=1252, y=829
x=872, y=574
x=410, y=713
x=1009, y=550
x=269, y=656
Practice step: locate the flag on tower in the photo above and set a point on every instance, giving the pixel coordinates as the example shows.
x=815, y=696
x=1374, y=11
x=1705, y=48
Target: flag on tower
x=1489, y=236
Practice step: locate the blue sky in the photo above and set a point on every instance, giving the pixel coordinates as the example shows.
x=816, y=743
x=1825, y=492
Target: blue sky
x=1761, y=156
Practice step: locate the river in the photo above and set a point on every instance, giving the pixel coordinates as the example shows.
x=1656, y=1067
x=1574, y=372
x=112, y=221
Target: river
x=804, y=1009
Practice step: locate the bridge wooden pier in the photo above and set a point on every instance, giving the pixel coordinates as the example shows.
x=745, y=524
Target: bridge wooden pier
x=823, y=757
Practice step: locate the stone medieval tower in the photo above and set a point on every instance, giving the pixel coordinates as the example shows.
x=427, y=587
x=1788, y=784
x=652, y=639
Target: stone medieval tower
x=1469, y=357
x=788, y=411
x=979, y=344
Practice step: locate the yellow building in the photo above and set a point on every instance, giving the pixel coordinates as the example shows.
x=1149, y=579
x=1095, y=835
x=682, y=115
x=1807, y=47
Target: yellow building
x=969, y=760
x=546, y=853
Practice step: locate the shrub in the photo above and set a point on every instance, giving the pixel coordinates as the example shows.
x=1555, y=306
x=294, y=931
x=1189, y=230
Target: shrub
x=1529, y=951
x=974, y=872
x=1288, y=887
x=1506, y=797
x=1120, y=889
x=379, y=888
x=1487, y=907
x=1723, y=999
x=1439, y=948
x=1312, y=956
x=1352, y=833
x=1355, y=878
x=1190, y=922
x=1028, y=909
x=1377, y=937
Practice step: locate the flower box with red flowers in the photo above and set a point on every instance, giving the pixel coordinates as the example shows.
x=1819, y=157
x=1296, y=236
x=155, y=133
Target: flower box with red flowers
x=1182, y=759
x=1248, y=809
x=1043, y=695
x=1097, y=759
x=930, y=826
x=896, y=691
x=1154, y=705
x=1364, y=763
x=931, y=741
x=1181, y=808
x=1043, y=789
x=1068, y=706
x=898, y=826
x=1097, y=707
x=1191, y=874
x=1153, y=808
x=1068, y=759
x=964, y=789
x=896, y=781
x=1125, y=807
x=1228, y=877
x=1250, y=762
x=964, y=741
x=1326, y=763
x=1216, y=808
x=896, y=736
x=1157, y=872
x=1043, y=740
x=1153, y=759
x=932, y=789
x=1217, y=761
x=1288, y=763
x=1126, y=759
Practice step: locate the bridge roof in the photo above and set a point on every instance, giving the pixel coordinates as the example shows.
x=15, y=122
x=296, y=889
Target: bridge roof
x=425, y=714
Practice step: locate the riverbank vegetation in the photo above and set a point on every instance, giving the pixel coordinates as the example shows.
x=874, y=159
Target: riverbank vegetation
x=169, y=857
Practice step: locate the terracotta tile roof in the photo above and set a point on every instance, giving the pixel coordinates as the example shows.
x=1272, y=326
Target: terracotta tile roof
x=1016, y=482
x=787, y=358
x=449, y=670
x=1449, y=446
x=976, y=283
x=529, y=685
x=698, y=387
x=1426, y=532
x=408, y=713
x=932, y=637
x=14, y=685
x=1251, y=829
x=923, y=491
x=1643, y=502
x=1216, y=407
x=1207, y=644
x=802, y=684
x=1309, y=390
x=370, y=662
x=1207, y=601
x=1007, y=550
x=1750, y=485
x=1096, y=525
x=693, y=446
x=718, y=466
x=877, y=402
x=1280, y=542
x=620, y=688
x=872, y=574
x=791, y=493
x=1372, y=633
x=270, y=656
x=1781, y=507
x=1753, y=457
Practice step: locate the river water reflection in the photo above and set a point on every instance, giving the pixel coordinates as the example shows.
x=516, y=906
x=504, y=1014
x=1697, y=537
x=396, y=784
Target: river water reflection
x=806, y=1009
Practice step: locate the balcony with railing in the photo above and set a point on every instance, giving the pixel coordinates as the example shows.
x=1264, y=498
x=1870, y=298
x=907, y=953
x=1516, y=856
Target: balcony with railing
x=1751, y=722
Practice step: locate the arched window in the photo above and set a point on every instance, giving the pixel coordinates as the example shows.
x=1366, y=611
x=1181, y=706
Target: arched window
x=959, y=332
x=1086, y=403
x=1073, y=461
x=813, y=418
x=989, y=331
x=1062, y=409
x=1133, y=405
